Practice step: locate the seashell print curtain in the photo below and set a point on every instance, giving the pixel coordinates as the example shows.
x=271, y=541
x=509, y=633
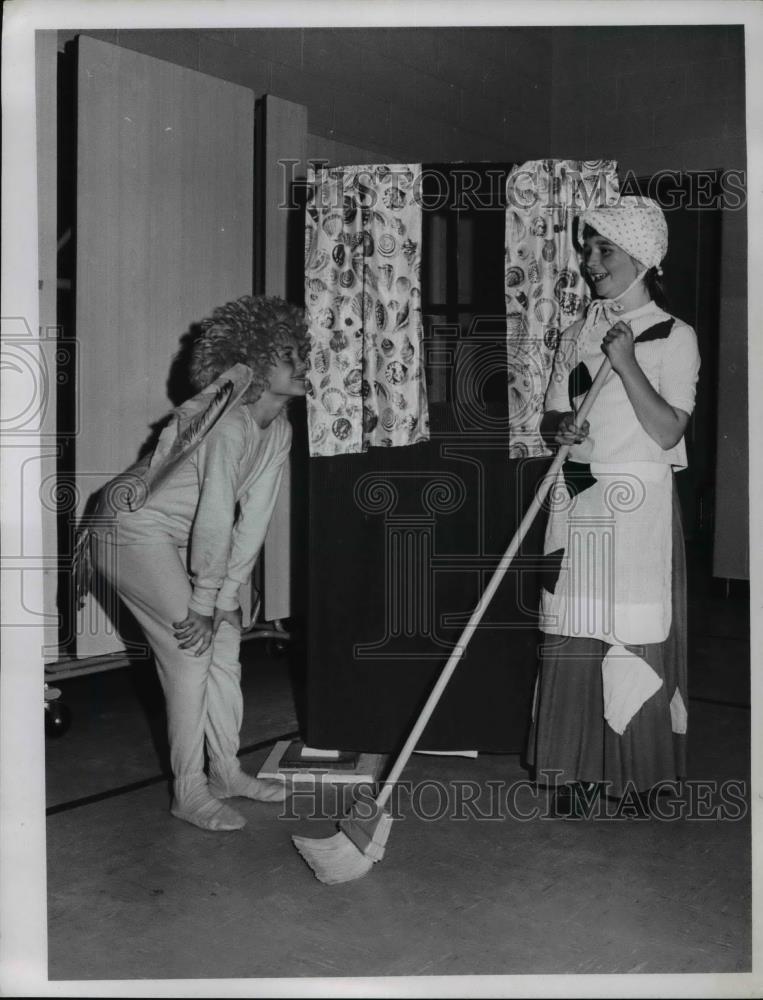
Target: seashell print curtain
x=363, y=305
x=545, y=288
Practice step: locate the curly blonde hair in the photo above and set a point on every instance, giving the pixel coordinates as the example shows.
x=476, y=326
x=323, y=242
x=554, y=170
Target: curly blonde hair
x=250, y=330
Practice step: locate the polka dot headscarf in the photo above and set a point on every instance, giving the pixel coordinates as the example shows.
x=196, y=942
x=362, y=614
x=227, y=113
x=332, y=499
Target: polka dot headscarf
x=636, y=225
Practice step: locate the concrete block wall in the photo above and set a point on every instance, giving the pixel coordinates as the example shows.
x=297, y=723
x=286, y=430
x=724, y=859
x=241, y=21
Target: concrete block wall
x=673, y=98
x=422, y=94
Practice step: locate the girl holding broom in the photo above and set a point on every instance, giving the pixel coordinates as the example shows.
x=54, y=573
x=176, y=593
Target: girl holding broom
x=178, y=553
x=610, y=707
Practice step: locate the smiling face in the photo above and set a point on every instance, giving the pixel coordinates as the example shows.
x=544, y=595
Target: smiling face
x=286, y=377
x=609, y=269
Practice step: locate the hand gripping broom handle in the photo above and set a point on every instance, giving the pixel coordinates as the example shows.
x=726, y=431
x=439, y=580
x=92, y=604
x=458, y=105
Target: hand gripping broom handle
x=497, y=577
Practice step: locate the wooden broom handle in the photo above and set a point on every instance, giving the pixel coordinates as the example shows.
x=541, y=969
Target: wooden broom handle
x=498, y=575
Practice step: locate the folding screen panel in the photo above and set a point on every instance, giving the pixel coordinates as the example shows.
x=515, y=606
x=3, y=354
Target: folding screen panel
x=281, y=140
x=164, y=234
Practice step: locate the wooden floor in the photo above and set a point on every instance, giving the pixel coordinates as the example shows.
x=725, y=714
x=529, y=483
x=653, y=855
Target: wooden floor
x=475, y=889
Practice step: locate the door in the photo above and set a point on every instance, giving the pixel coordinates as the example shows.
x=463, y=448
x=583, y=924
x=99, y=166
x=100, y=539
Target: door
x=464, y=222
x=164, y=233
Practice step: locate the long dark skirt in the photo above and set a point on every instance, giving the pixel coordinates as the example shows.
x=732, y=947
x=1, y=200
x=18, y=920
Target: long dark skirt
x=570, y=740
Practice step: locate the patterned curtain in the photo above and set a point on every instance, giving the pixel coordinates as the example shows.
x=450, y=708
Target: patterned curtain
x=545, y=289
x=363, y=304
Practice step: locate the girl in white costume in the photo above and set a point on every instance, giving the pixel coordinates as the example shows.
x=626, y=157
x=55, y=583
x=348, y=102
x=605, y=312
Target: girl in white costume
x=610, y=706
x=178, y=558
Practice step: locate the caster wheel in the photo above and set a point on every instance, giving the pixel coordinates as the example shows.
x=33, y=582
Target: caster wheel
x=58, y=718
x=277, y=647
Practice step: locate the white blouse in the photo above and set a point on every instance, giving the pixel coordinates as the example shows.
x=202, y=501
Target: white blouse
x=671, y=364
x=219, y=504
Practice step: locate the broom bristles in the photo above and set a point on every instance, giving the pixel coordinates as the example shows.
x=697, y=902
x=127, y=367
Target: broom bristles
x=333, y=859
x=352, y=852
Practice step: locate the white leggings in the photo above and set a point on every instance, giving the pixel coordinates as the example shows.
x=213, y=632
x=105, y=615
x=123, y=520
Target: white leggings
x=203, y=693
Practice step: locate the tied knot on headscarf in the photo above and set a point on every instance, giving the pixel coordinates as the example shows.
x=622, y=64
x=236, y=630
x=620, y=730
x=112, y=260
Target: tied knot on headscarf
x=599, y=310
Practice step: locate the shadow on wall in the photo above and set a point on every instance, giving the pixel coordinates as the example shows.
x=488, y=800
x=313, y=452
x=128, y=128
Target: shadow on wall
x=179, y=387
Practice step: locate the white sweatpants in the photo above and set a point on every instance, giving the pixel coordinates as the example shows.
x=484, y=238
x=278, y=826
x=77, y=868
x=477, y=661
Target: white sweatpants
x=203, y=693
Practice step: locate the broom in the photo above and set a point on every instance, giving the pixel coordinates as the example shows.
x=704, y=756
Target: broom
x=363, y=834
